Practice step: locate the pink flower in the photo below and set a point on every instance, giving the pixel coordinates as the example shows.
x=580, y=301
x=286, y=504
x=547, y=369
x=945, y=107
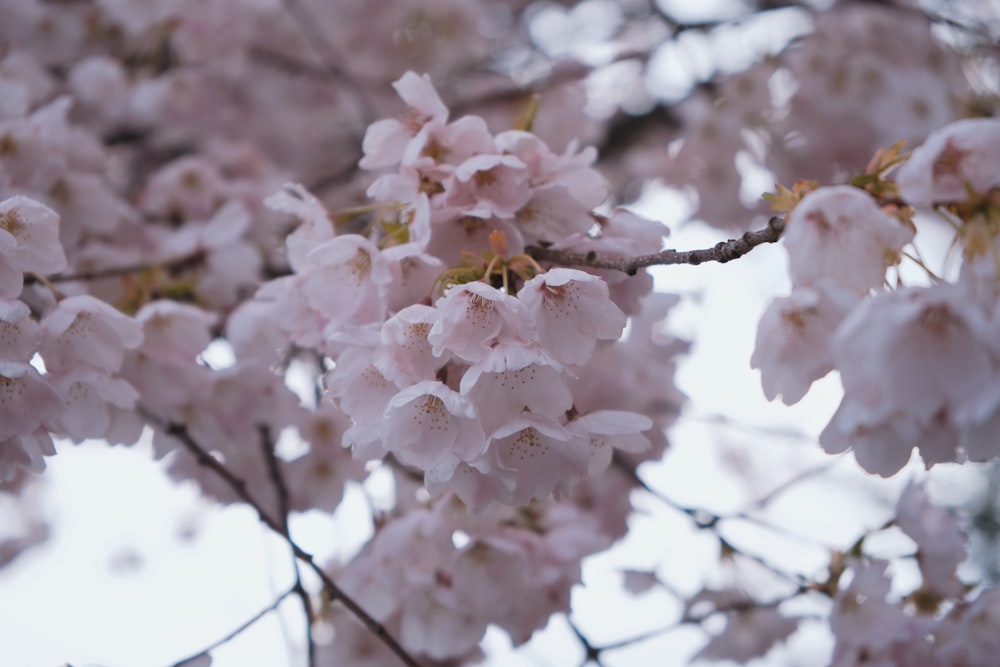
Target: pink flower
x=174, y=332
x=90, y=400
x=486, y=185
x=533, y=455
x=840, y=233
x=571, y=171
x=512, y=379
x=29, y=242
x=476, y=489
x=448, y=235
x=961, y=156
x=914, y=351
x=386, y=140
x=362, y=391
x=977, y=641
x=290, y=311
x=24, y=451
x=409, y=356
x=27, y=403
x=427, y=425
x=228, y=260
x=19, y=334
x=431, y=628
x=793, y=339
x=572, y=311
x=359, y=272
x=749, y=634
x=255, y=334
x=940, y=542
x=86, y=331
x=27, y=399
x=884, y=447
x=316, y=479
x=552, y=214
x=862, y=617
x=315, y=225
x=414, y=275
x=621, y=234
x=190, y=188
x=607, y=430
x=438, y=148
x=474, y=317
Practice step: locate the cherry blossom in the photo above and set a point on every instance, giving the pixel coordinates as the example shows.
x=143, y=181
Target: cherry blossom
x=863, y=619
x=956, y=161
x=474, y=317
x=316, y=480
x=572, y=311
x=839, y=233
x=83, y=330
x=939, y=539
x=428, y=425
x=793, y=339
x=361, y=274
x=512, y=379
x=337, y=251
x=27, y=400
x=386, y=140
x=913, y=353
x=489, y=185
x=315, y=225
x=29, y=241
x=19, y=334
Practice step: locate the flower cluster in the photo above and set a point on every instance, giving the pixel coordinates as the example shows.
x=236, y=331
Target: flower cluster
x=81, y=342
x=431, y=574
x=919, y=364
x=405, y=321
x=458, y=359
x=940, y=622
x=453, y=351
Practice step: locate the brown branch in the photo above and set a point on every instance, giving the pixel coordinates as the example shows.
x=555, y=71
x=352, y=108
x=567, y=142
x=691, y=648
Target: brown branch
x=722, y=252
x=327, y=53
x=289, y=64
x=176, y=264
x=592, y=654
x=281, y=489
x=689, y=619
x=242, y=627
x=239, y=486
x=705, y=519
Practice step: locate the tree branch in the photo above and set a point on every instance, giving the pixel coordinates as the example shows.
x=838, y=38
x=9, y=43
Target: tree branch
x=232, y=635
x=171, y=265
x=705, y=519
x=689, y=619
x=722, y=252
x=281, y=488
x=239, y=486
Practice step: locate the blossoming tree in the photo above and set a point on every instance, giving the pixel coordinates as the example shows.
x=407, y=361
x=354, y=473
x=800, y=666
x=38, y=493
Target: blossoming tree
x=419, y=211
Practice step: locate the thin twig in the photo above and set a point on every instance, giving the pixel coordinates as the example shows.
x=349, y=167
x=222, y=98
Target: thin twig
x=592, y=653
x=232, y=635
x=708, y=520
x=239, y=486
x=722, y=252
x=788, y=484
x=281, y=488
x=327, y=53
x=176, y=264
x=288, y=64
x=688, y=619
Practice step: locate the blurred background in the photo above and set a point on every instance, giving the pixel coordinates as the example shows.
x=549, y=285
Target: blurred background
x=696, y=110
